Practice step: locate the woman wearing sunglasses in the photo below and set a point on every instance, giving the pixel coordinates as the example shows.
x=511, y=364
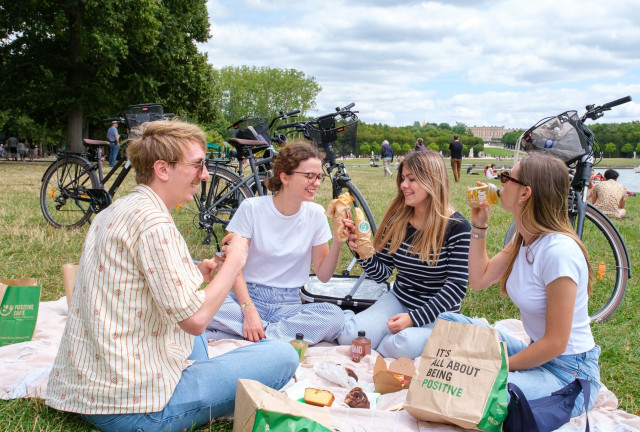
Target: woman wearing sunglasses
x=286, y=231
x=545, y=272
x=427, y=242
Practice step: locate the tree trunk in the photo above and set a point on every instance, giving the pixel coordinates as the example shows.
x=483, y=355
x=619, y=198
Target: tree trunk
x=76, y=110
x=74, y=129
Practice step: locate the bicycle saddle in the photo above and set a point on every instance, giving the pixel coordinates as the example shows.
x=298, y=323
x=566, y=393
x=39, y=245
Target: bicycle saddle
x=88, y=141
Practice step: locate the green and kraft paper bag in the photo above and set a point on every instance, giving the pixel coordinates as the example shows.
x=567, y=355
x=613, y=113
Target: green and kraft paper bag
x=462, y=378
x=19, y=303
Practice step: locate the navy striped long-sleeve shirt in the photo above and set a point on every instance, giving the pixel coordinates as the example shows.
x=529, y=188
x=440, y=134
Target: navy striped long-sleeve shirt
x=423, y=289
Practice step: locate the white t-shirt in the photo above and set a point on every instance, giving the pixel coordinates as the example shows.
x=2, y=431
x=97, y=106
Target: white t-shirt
x=280, y=248
x=552, y=256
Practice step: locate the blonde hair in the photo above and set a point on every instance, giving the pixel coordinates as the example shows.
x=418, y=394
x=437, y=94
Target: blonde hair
x=546, y=210
x=161, y=140
x=429, y=170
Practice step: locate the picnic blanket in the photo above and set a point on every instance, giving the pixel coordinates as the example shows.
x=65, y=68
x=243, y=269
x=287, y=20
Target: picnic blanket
x=25, y=368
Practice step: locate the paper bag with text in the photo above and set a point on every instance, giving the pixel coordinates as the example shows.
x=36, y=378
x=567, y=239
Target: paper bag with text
x=462, y=378
x=19, y=303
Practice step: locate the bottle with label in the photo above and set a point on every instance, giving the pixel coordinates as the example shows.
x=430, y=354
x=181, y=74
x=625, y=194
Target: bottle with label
x=360, y=347
x=488, y=193
x=300, y=346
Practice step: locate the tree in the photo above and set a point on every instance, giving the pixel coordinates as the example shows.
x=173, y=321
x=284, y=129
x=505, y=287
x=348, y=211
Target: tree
x=610, y=149
x=638, y=148
x=627, y=149
x=365, y=150
x=77, y=61
x=263, y=91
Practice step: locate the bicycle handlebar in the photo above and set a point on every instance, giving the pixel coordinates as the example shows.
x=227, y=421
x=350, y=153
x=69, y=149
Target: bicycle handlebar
x=119, y=120
x=593, y=112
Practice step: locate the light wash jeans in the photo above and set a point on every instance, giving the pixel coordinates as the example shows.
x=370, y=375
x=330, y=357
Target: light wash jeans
x=114, y=148
x=282, y=313
x=551, y=376
x=207, y=388
x=409, y=342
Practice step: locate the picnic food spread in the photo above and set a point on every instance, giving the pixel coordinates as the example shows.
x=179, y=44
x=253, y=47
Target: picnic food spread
x=356, y=398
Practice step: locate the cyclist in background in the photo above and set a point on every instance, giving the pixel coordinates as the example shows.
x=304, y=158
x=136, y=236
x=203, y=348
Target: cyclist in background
x=133, y=355
x=427, y=242
x=114, y=143
x=287, y=231
x=545, y=272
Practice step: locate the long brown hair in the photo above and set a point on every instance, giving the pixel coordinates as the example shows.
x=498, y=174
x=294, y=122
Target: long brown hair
x=545, y=212
x=429, y=170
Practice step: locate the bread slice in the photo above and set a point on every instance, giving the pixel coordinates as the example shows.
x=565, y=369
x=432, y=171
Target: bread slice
x=318, y=397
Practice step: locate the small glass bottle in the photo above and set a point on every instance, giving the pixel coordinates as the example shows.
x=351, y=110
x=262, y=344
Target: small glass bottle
x=360, y=347
x=488, y=193
x=602, y=270
x=300, y=346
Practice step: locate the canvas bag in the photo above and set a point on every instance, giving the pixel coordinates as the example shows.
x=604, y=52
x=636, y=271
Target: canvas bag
x=547, y=413
x=462, y=378
x=261, y=408
x=19, y=303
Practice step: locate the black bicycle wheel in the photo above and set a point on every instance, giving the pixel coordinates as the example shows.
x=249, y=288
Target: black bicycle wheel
x=609, y=263
x=201, y=222
x=608, y=260
x=63, y=198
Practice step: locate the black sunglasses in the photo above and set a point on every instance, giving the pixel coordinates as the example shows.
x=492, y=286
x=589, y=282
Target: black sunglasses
x=505, y=177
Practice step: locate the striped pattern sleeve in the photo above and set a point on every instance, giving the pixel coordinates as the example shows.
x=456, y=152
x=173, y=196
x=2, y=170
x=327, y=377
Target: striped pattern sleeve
x=426, y=291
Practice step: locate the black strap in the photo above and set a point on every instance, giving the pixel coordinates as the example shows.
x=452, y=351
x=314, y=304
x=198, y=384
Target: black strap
x=524, y=405
x=586, y=389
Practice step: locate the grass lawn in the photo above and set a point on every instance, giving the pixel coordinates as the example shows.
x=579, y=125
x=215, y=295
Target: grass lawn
x=31, y=248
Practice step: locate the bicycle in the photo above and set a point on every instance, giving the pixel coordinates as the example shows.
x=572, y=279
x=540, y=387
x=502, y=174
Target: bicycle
x=218, y=199
x=74, y=185
x=567, y=137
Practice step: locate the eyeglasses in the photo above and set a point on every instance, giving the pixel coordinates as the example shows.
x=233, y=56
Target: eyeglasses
x=311, y=177
x=201, y=164
x=505, y=177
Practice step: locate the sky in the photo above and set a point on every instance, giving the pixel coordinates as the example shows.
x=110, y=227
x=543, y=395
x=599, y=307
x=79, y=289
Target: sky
x=478, y=62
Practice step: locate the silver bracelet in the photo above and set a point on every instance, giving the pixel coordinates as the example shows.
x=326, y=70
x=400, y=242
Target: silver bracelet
x=478, y=236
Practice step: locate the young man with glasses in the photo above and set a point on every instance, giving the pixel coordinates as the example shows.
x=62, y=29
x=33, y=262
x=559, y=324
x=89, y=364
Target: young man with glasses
x=133, y=355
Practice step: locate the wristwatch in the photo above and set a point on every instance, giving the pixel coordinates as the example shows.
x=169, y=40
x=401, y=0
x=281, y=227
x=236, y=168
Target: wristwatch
x=478, y=236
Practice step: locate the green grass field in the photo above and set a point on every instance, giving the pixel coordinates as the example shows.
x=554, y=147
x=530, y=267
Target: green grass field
x=30, y=248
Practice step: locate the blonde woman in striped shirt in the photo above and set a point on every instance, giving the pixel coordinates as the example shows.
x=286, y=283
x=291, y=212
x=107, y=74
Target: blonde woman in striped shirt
x=426, y=242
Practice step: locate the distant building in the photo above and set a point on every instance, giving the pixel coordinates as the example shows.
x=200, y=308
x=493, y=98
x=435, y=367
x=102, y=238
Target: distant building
x=489, y=134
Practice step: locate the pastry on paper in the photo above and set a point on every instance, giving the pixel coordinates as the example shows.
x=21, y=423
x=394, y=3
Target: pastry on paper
x=337, y=210
x=364, y=248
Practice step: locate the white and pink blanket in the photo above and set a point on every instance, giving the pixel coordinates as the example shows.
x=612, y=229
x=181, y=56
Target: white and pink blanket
x=25, y=367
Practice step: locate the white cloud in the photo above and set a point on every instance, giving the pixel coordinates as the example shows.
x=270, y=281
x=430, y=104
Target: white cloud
x=505, y=63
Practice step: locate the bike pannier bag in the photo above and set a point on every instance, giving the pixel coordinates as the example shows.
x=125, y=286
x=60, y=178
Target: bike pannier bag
x=462, y=378
x=19, y=303
x=559, y=135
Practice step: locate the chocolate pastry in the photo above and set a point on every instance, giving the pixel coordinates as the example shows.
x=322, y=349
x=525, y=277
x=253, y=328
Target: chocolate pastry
x=351, y=373
x=357, y=399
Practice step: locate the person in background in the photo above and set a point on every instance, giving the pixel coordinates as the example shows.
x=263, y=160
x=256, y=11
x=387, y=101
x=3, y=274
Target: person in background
x=133, y=354
x=455, y=149
x=491, y=172
x=426, y=242
x=114, y=143
x=470, y=169
x=387, y=156
x=545, y=272
x=610, y=196
x=287, y=232
x=13, y=147
x=419, y=145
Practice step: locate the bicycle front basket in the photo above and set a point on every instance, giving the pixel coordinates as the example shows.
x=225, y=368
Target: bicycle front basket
x=138, y=114
x=340, y=132
x=559, y=135
x=246, y=127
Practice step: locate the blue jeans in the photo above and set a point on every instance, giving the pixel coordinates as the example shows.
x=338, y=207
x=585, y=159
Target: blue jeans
x=114, y=148
x=207, y=388
x=283, y=315
x=409, y=342
x=541, y=381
